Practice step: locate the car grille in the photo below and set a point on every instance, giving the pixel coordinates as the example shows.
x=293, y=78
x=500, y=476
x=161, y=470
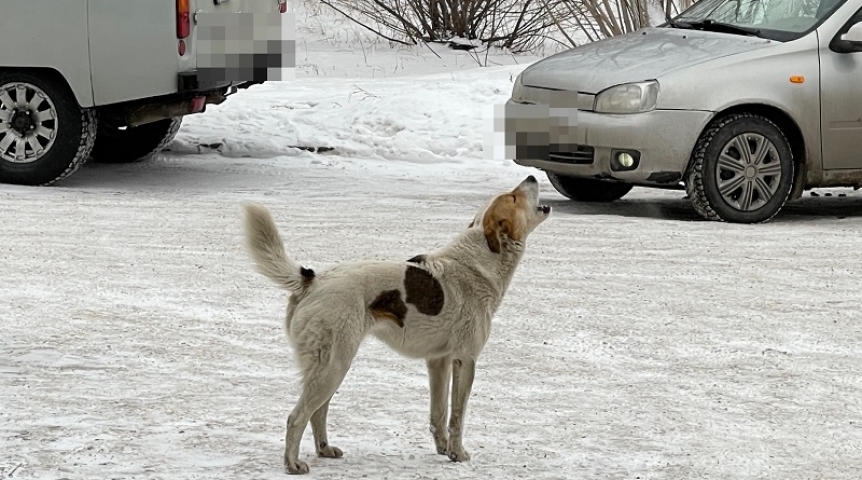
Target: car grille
x=582, y=155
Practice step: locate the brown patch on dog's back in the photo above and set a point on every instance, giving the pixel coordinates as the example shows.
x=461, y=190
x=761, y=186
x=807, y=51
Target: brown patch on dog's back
x=388, y=306
x=423, y=291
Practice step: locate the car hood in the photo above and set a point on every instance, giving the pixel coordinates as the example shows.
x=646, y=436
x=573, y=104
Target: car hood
x=642, y=55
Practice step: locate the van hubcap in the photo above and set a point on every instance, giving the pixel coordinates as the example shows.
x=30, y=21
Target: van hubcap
x=28, y=122
x=748, y=171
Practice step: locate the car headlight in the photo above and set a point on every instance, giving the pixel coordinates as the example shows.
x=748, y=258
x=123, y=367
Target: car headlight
x=628, y=98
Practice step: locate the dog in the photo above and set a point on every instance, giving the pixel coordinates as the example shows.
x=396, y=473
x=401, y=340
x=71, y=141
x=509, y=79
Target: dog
x=437, y=307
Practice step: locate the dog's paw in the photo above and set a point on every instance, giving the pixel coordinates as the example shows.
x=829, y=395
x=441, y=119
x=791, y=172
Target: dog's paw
x=458, y=455
x=442, y=444
x=296, y=468
x=328, y=451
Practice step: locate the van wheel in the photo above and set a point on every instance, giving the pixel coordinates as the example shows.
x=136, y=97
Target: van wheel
x=741, y=171
x=588, y=189
x=44, y=134
x=134, y=144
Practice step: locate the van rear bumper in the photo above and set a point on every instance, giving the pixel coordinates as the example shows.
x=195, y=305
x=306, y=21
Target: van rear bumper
x=192, y=82
x=192, y=96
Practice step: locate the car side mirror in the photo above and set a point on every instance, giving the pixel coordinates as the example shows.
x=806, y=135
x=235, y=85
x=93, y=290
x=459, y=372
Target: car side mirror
x=849, y=41
x=854, y=35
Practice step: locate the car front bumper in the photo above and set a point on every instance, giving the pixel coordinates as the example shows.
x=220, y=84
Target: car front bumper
x=662, y=139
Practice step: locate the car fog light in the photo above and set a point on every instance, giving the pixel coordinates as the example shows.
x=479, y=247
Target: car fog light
x=624, y=160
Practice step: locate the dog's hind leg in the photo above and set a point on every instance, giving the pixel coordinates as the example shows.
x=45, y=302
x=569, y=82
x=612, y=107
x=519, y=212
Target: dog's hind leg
x=439, y=375
x=318, y=426
x=323, y=374
x=463, y=373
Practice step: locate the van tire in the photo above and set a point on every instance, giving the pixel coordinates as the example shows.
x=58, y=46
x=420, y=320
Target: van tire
x=68, y=137
x=134, y=144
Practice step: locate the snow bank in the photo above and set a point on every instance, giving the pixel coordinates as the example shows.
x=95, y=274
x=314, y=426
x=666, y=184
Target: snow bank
x=430, y=119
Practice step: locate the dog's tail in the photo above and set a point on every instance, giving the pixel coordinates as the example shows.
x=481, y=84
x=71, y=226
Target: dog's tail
x=267, y=249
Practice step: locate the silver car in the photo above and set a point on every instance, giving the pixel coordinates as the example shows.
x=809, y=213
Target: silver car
x=744, y=103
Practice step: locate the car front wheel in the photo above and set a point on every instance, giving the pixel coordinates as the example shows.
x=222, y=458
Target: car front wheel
x=741, y=171
x=588, y=189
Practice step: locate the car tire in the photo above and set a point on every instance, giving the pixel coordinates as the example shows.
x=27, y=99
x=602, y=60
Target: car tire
x=588, y=189
x=741, y=170
x=134, y=144
x=44, y=136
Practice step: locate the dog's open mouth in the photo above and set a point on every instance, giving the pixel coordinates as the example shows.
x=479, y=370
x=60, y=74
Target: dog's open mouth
x=544, y=209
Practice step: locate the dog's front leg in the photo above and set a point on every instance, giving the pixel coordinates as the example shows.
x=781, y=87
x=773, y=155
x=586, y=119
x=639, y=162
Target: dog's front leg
x=463, y=372
x=439, y=375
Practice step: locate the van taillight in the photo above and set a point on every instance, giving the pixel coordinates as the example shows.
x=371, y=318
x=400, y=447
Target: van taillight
x=184, y=24
x=282, y=6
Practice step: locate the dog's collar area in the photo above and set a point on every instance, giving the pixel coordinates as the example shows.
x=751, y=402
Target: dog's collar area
x=514, y=244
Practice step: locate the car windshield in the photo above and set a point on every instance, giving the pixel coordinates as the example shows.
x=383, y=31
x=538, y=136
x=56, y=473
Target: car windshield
x=781, y=20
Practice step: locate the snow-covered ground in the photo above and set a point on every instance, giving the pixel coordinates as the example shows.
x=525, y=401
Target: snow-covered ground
x=636, y=342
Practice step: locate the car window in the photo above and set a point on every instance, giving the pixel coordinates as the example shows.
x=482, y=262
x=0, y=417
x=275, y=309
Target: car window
x=778, y=19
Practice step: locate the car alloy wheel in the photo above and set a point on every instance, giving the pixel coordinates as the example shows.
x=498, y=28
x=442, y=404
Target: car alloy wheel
x=28, y=122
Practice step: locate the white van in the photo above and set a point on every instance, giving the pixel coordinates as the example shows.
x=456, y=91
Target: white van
x=108, y=79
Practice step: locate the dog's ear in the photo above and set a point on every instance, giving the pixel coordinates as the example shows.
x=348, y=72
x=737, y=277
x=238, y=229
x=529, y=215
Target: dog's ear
x=494, y=229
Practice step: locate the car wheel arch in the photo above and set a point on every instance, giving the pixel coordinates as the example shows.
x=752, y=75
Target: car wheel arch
x=791, y=130
x=50, y=74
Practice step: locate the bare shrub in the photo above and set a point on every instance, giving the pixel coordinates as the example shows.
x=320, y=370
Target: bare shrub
x=516, y=25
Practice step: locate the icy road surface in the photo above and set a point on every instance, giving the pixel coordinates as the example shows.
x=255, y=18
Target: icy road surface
x=636, y=341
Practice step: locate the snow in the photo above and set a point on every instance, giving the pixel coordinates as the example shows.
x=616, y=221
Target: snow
x=636, y=341
x=428, y=119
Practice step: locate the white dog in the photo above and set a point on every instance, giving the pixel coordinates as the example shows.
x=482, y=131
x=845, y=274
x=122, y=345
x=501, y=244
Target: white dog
x=437, y=307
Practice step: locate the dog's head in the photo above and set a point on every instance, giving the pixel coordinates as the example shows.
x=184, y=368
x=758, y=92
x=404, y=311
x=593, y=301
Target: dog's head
x=512, y=215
